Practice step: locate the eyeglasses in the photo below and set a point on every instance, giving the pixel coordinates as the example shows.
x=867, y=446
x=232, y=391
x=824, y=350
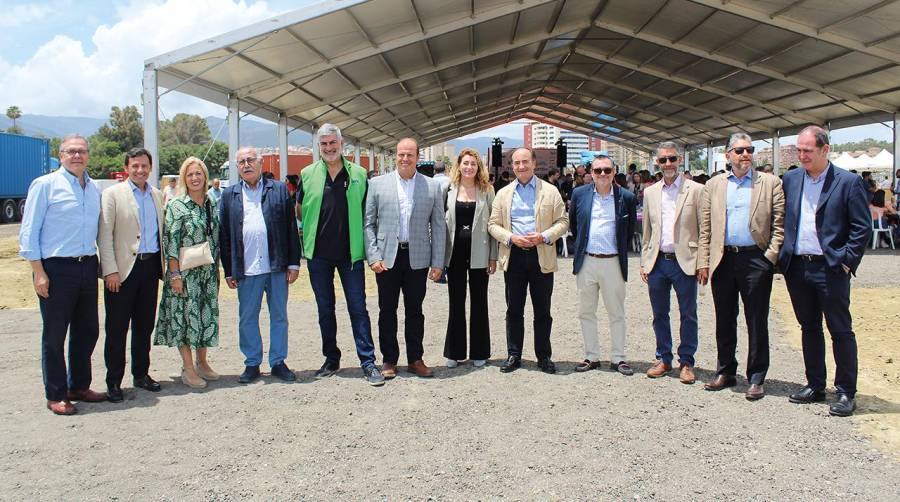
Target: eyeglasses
x=602, y=170
x=671, y=158
x=247, y=161
x=75, y=151
x=741, y=149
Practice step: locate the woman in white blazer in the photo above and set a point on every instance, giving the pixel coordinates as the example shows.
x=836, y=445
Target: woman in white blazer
x=471, y=257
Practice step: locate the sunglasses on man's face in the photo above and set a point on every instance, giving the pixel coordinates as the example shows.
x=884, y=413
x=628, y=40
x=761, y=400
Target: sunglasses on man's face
x=671, y=158
x=741, y=150
x=602, y=170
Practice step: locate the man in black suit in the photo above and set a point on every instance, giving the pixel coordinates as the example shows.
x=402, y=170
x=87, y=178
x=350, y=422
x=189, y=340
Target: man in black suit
x=826, y=228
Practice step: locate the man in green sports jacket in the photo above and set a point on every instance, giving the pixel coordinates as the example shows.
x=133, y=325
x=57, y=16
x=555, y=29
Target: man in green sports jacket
x=331, y=200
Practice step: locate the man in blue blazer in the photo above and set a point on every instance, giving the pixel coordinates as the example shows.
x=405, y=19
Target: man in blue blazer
x=826, y=228
x=601, y=216
x=260, y=252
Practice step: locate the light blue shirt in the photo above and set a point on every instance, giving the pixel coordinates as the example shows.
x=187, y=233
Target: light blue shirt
x=214, y=195
x=256, y=243
x=737, y=210
x=602, y=234
x=61, y=219
x=149, y=242
x=521, y=213
x=807, y=237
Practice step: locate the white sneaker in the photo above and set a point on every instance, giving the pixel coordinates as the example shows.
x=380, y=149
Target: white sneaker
x=479, y=362
x=452, y=363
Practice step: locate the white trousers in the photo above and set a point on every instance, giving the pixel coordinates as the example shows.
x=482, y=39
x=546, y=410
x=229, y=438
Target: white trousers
x=601, y=277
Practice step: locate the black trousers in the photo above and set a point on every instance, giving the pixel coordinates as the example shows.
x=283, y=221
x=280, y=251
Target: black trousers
x=390, y=283
x=134, y=304
x=748, y=275
x=817, y=290
x=523, y=274
x=70, y=308
x=458, y=277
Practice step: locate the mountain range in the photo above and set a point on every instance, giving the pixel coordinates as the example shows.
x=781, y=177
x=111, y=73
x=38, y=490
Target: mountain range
x=252, y=132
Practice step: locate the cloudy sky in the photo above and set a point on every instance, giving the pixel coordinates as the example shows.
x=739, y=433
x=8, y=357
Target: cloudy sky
x=81, y=57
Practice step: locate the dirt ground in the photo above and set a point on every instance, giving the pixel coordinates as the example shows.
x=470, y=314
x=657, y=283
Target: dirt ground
x=466, y=434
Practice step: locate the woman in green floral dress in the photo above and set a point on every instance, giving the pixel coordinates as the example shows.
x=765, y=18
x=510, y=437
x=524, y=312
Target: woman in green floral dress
x=189, y=309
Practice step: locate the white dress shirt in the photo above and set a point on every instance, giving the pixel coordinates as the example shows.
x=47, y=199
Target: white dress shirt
x=255, y=237
x=669, y=197
x=405, y=191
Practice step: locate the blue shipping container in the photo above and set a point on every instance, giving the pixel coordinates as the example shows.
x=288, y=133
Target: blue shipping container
x=22, y=159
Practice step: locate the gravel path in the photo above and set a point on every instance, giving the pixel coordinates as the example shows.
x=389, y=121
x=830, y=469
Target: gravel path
x=466, y=434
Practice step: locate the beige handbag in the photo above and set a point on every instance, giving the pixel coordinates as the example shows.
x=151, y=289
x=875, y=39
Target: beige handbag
x=198, y=255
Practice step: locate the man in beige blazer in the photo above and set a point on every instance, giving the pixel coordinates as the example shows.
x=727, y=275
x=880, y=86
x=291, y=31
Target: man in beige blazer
x=131, y=262
x=669, y=260
x=527, y=217
x=741, y=231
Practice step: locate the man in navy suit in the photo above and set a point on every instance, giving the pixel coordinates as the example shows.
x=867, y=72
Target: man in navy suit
x=826, y=227
x=602, y=217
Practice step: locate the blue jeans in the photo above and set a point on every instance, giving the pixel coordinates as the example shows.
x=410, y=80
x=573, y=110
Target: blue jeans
x=250, y=291
x=667, y=274
x=353, y=281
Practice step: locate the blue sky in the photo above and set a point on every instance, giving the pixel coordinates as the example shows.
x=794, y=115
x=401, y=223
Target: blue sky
x=79, y=58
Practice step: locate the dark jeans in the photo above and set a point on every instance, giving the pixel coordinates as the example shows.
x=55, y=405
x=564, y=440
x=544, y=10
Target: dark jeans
x=523, y=273
x=134, y=304
x=353, y=281
x=665, y=276
x=390, y=283
x=479, y=327
x=70, y=308
x=747, y=274
x=818, y=290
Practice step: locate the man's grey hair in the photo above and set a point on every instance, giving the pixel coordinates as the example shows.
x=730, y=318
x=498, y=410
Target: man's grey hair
x=820, y=133
x=668, y=145
x=738, y=136
x=329, y=130
x=72, y=137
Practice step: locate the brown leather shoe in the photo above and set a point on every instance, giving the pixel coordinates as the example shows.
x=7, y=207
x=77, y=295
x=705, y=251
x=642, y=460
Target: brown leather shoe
x=755, y=392
x=87, y=395
x=721, y=382
x=420, y=370
x=388, y=371
x=62, y=407
x=687, y=374
x=659, y=369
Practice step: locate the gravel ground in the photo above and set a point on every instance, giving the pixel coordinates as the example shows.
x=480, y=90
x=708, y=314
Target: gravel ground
x=466, y=434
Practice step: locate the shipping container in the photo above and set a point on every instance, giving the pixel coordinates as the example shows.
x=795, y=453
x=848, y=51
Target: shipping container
x=22, y=159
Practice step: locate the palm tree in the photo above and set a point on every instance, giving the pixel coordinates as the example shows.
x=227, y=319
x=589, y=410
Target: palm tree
x=13, y=112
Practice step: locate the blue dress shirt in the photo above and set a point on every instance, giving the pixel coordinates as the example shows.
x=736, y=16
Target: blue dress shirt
x=602, y=237
x=61, y=219
x=149, y=242
x=737, y=210
x=521, y=213
x=807, y=236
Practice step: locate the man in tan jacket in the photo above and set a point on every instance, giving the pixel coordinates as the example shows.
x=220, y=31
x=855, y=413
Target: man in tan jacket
x=527, y=217
x=741, y=231
x=131, y=262
x=669, y=260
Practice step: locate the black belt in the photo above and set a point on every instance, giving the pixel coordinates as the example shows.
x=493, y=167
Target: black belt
x=147, y=256
x=74, y=258
x=741, y=249
x=810, y=257
x=669, y=256
x=403, y=245
x=601, y=255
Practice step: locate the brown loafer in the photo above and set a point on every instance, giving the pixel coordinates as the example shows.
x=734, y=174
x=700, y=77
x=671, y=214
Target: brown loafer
x=388, y=370
x=87, y=395
x=419, y=369
x=755, y=392
x=62, y=407
x=687, y=374
x=721, y=382
x=658, y=369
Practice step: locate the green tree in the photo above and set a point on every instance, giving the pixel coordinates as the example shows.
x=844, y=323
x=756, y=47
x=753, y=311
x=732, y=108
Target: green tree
x=865, y=144
x=107, y=157
x=54, y=147
x=184, y=129
x=171, y=157
x=124, y=128
x=13, y=112
x=14, y=129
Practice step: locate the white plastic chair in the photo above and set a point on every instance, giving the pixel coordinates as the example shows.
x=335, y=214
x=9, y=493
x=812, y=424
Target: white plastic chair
x=878, y=228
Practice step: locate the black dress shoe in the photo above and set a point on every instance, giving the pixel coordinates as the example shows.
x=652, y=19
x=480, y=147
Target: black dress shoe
x=587, y=365
x=250, y=374
x=721, y=382
x=512, y=364
x=843, y=407
x=114, y=393
x=327, y=369
x=546, y=365
x=807, y=395
x=147, y=383
x=622, y=367
x=282, y=371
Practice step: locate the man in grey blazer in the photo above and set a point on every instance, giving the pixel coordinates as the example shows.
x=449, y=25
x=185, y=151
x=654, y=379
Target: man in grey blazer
x=405, y=235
